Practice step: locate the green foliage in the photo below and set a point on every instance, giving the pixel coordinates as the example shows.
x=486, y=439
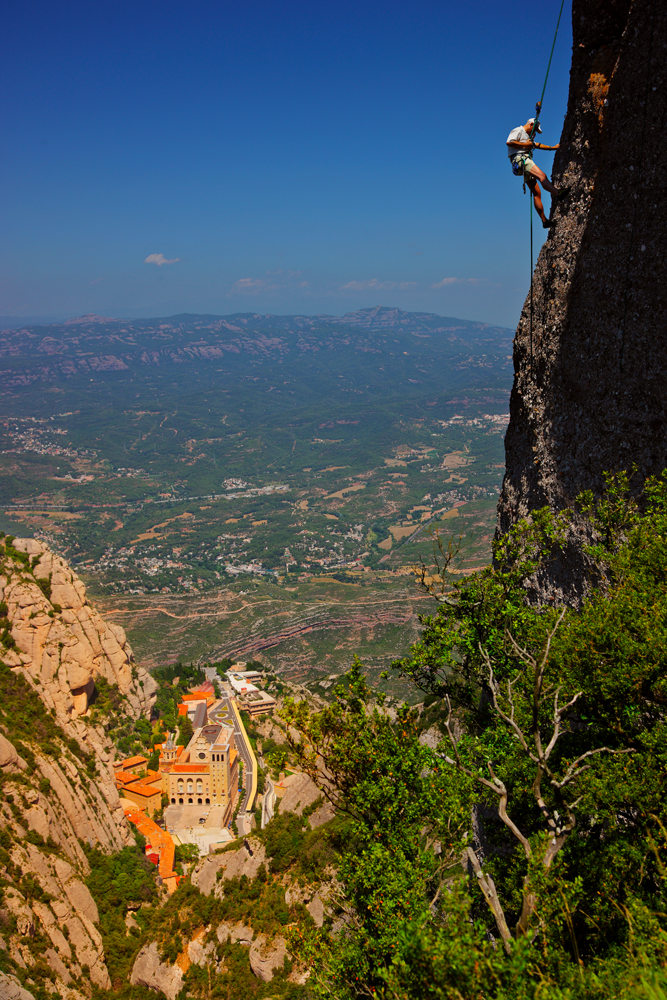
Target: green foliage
x=118, y=880
x=187, y=852
x=117, y=883
x=558, y=735
x=44, y=584
x=284, y=838
x=185, y=731
x=275, y=754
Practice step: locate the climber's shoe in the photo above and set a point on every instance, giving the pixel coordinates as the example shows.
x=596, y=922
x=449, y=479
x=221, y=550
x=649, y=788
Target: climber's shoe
x=548, y=223
x=561, y=192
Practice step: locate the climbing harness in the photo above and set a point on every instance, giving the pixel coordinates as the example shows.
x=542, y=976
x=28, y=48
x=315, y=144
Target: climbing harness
x=535, y=126
x=634, y=214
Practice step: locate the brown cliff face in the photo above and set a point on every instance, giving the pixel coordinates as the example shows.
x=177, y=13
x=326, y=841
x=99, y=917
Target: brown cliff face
x=56, y=774
x=61, y=641
x=593, y=398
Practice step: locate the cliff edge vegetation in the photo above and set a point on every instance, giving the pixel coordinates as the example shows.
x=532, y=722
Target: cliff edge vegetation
x=518, y=848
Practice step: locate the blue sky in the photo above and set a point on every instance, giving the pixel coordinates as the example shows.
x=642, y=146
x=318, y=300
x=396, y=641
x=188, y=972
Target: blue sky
x=296, y=157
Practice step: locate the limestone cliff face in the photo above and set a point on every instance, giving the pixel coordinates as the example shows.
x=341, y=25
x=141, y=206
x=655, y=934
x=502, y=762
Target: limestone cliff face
x=56, y=773
x=46, y=912
x=593, y=397
x=62, y=642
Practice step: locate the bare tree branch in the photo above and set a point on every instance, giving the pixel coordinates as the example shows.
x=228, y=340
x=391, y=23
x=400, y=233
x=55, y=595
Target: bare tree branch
x=560, y=819
x=426, y=576
x=488, y=888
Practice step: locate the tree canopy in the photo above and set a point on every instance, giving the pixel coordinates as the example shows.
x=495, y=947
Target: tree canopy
x=524, y=855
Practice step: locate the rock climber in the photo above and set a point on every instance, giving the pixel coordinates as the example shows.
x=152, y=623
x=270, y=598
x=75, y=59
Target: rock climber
x=519, y=147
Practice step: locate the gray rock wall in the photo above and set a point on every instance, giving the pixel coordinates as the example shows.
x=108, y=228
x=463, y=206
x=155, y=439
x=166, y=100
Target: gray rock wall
x=593, y=397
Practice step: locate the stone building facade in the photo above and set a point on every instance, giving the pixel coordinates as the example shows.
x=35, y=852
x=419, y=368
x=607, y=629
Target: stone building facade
x=206, y=773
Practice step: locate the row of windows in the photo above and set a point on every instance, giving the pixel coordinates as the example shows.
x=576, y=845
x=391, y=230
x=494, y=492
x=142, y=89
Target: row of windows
x=191, y=802
x=190, y=788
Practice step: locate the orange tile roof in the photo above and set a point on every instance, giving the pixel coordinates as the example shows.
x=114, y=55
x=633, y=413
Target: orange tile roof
x=130, y=762
x=182, y=709
x=197, y=768
x=193, y=697
x=126, y=778
x=159, y=840
x=141, y=789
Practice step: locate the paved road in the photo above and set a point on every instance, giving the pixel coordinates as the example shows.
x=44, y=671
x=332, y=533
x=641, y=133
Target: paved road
x=225, y=714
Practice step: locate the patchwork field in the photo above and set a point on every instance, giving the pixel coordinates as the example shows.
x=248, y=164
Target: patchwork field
x=275, y=506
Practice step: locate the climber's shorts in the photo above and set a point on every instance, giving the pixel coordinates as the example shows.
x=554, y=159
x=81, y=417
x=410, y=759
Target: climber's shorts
x=521, y=164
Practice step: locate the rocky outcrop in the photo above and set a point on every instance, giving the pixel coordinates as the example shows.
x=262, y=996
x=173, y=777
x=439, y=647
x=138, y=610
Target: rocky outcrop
x=209, y=872
x=61, y=641
x=9, y=758
x=11, y=989
x=238, y=933
x=590, y=387
x=297, y=792
x=267, y=955
x=149, y=970
x=65, y=915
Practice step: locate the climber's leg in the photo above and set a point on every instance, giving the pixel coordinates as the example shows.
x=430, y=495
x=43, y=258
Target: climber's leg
x=537, y=200
x=541, y=176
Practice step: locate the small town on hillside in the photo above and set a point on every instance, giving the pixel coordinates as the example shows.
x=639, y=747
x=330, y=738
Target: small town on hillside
x=199, y=786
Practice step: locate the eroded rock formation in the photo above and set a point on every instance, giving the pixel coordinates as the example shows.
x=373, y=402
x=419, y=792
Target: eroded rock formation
x=58, y=786
x=54, y=801
x=62, y=642
x=591, y=395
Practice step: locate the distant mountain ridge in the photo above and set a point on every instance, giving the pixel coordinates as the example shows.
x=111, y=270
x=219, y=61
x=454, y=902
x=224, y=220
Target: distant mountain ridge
x=92, y=345
x=376, y=317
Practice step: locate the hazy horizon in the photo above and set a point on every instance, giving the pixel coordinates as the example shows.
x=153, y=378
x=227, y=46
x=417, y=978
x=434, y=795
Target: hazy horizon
x=59, y=320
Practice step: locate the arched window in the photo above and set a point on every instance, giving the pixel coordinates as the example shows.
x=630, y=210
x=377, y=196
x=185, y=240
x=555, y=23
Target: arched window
x=199, y=802
x=208, y=802
x=173, y=802
x=190, y=787
x=200, y=787
x=180, y=802
x=181, y=787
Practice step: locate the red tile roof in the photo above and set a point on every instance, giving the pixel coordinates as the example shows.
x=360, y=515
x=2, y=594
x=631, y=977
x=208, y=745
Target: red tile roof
x=196, y=768
x=205, y=688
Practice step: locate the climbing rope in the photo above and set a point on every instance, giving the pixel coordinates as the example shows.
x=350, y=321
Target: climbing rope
x=634, y=214
x=538, y=109
x=538, y=106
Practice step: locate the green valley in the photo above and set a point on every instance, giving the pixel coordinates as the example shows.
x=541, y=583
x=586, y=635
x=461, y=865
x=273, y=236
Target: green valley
x=256, y=483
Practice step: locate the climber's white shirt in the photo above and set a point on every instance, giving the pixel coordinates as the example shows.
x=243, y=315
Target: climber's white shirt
x=517, y=135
